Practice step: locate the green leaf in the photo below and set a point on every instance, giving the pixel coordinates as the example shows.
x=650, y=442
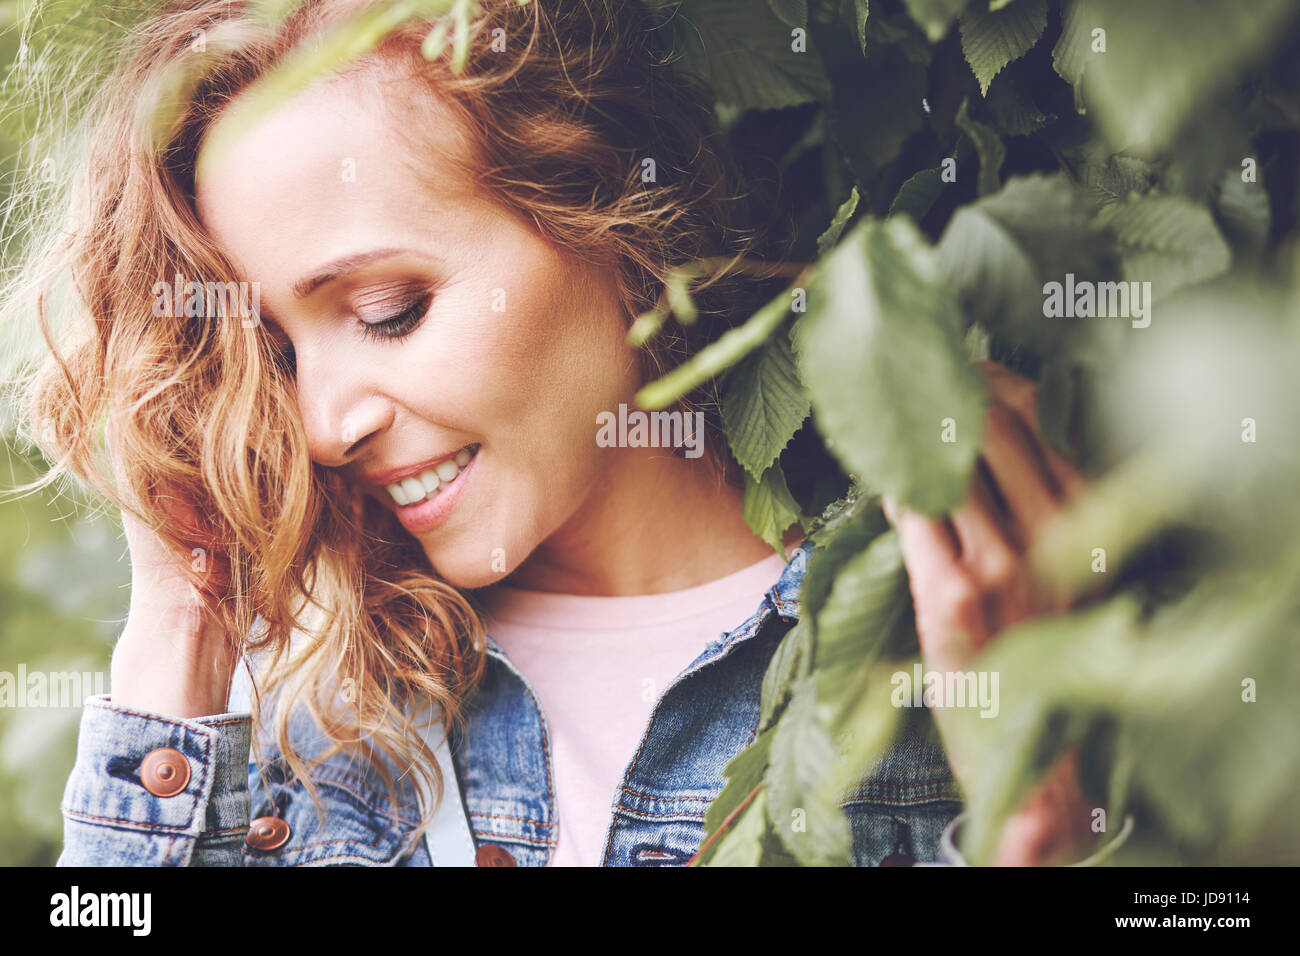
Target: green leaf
x=935, y=16
x=989, y=147
x=793, y=13
x=1073, y=51
x=884, y=31
x=1244, y=212
x=880, y=320
x=792, y=660
x=732, y=346
x=918, y=194
x=813, y=828
x=869, y=593
x=869, y=727
x=646, y=326
x=842, y=215
x=876, y=107
x=436, y=41
x=856, y=13
x=868, y=611
x=837, y=544
x=922, y=190
x=1168, y=241
x=991, y=40
x=744, y=51
x=744, y=772
x=764, y=405
x=769, y=509
x=1175, y=681
x=994, y=276
x=677, y=291
x=1119, y=178
x=742, y=843
x=1164, y=59
x=1056, y=403
x=460, y=39
x=999, y=252
x=1013, y=109
x=774, y=851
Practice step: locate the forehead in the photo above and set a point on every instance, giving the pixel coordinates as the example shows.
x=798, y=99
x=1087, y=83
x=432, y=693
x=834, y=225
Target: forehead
x=335, y=165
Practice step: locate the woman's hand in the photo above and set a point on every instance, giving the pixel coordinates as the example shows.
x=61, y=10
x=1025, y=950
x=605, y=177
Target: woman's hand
x=970, y=580
x=172, y=657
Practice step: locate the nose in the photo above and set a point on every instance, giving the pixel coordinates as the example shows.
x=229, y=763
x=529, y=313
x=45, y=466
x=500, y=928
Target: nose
x=341, y=408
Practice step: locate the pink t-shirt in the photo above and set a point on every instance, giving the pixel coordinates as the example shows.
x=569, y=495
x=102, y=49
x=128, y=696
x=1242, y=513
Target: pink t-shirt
x=598, y=665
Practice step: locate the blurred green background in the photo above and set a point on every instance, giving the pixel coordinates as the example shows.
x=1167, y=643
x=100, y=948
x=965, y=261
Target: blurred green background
x=63, y=593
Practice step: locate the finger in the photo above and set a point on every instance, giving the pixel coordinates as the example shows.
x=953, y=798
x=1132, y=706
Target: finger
x=1054, y=823
x=980, y=523
x=950, y=619
x=1020, y=477
x=1021, y=396
x=990, y=556
x=932, y=540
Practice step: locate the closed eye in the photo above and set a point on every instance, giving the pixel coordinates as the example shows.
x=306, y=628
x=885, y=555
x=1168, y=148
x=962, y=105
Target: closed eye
x=401, y=324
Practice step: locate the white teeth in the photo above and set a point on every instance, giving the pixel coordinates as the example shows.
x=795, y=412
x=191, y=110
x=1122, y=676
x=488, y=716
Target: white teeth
x=431, y=481
x=413, y=488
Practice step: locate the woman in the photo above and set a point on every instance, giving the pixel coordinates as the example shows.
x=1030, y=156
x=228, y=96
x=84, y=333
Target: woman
x=444, y=270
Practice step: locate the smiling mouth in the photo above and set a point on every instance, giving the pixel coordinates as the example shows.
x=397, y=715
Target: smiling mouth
x=430, y=482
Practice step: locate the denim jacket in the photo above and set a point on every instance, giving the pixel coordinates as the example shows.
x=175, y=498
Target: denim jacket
x=502, y=762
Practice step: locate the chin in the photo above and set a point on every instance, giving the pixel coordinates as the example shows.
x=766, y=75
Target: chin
x=470, y=567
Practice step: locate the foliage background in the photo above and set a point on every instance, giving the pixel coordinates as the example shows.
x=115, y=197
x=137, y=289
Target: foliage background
x=1123, y=163
x=63, y=587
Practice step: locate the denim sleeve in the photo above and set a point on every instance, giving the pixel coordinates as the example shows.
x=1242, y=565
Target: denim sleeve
x=111, y=819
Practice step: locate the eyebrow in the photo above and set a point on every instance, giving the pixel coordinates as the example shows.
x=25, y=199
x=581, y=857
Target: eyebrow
x=341, y=267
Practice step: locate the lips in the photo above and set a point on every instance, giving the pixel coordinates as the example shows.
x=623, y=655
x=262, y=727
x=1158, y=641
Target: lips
x=412, y=485
x=433, y=510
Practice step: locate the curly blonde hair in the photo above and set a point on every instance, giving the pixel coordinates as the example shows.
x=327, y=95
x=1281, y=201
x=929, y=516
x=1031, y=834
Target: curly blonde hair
x=204, y=411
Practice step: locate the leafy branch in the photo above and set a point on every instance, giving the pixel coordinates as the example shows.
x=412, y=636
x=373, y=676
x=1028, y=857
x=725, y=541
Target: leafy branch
x=1085, y=142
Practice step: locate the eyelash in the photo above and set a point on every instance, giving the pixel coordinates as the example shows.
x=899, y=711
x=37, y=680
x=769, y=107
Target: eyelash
x=399, y=326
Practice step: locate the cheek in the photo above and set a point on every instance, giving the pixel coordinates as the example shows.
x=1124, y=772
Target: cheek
x=541, y=370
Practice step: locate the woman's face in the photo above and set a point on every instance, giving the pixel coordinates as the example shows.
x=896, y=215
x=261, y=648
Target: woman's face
x=439, y=342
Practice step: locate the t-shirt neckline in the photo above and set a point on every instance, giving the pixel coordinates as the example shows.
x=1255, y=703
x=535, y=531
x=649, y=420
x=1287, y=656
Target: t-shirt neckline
x=503, y=602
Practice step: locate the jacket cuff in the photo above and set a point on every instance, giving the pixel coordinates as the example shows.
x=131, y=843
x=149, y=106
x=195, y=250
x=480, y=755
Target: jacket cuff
x=105, y=791
x=952, y=857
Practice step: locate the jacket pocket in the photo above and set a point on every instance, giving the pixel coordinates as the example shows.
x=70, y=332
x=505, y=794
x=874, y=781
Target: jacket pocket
x=900, y=809
x=357, y=828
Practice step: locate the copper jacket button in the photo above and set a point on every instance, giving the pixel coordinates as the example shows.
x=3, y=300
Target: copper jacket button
x=267, y=833
x=492, y=855
x=165, y=772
